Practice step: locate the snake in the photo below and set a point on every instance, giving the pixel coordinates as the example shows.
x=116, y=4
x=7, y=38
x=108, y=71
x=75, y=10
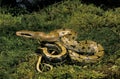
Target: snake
x=63, y=41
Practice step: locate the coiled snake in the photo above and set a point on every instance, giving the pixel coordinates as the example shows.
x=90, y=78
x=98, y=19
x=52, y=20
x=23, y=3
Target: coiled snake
x=56, y=45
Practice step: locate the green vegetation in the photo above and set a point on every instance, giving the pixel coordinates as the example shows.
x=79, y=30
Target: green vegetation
x=18, y=57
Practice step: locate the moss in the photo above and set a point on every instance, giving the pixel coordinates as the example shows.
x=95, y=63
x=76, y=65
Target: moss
x=17, y=55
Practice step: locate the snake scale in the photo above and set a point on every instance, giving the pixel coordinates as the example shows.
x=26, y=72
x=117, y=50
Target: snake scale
x=56, y=45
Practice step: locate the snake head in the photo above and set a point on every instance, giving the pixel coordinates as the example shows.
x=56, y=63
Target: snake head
x=25, y=33
x=41, y=36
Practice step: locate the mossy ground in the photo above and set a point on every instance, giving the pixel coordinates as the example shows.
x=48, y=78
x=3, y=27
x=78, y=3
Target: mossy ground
x=18, y=57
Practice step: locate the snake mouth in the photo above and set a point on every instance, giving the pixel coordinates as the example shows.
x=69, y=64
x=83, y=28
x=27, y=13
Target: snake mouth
x=26, y=34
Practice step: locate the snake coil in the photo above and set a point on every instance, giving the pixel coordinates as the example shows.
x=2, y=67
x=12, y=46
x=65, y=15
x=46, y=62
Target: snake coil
x=54, y=52
x=90, y=52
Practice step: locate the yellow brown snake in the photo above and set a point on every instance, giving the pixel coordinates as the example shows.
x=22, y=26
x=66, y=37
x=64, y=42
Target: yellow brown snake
x=65, y=39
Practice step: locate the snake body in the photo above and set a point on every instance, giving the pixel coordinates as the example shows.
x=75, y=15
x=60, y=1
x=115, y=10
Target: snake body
x=83, y=51
x=90, y=51
x=56, y=55
x=63, y=41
